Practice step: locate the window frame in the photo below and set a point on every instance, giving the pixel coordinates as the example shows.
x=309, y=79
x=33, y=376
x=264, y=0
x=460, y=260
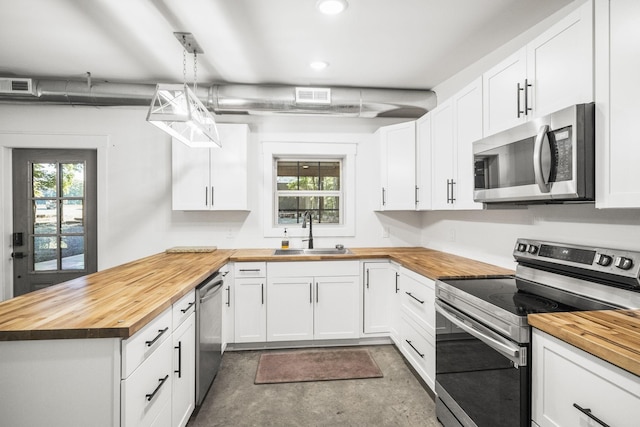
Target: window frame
x=343, y=151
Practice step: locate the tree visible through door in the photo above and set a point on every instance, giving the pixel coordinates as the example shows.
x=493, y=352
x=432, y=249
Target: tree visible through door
x=54, y=217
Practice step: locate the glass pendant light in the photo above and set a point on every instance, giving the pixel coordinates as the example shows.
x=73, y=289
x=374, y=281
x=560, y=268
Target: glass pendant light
x=176, y=109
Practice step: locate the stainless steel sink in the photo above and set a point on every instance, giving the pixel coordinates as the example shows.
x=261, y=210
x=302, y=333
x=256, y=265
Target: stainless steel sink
x=316, y=251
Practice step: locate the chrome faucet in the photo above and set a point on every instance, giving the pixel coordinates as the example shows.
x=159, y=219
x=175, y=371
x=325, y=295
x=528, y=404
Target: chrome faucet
x=304, y=225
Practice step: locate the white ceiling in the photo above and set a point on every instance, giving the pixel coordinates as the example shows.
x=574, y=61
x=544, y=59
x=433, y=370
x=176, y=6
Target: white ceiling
x=412, y=44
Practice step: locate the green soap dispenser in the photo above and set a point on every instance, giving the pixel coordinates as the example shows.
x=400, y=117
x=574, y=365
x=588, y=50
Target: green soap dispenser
x=285, y=241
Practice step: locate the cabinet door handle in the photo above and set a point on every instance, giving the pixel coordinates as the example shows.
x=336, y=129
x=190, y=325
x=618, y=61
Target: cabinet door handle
x=212, y=199
x=416, y=196
x=411, y=295
x=262, y=292
x=160, y=332
x=310, y=293
x=527, y=85
x=415, y=349
x=397, y=289
x=152, y=395
x=317, y=292
x=519, y=111
x=229, y=296
x=453, y=197
x=384, y=201
x=367, y=281
x=206, y=196
x=184, y=310
x=179, y=348
x=588, y=413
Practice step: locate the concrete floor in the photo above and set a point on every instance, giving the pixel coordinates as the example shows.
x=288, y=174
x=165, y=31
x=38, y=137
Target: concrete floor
x=398, y=399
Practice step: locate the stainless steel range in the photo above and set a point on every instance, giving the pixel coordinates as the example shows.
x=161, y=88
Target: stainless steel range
x=483, y=356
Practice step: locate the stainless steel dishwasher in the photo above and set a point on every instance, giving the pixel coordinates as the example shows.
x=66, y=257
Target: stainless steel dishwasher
x=208, y=332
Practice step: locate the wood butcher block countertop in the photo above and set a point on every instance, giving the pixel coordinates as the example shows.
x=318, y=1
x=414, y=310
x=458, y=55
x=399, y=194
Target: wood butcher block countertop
x=612, y=335
x=119, y=301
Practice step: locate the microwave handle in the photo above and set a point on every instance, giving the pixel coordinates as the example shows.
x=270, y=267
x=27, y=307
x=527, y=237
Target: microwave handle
x=542, y=159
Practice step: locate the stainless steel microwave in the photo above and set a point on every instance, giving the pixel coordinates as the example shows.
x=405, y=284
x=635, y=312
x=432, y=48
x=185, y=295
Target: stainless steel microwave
x=546, y=160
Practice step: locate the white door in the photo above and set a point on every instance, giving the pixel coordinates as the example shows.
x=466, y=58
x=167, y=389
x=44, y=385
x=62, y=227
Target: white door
x=398, y=165
x=250, y=310
x=337, y=307
x=379, y=291
x=504, y=93
x=467, y=129
x=423, y=163
x=229, y=169
x=190, y=176
x=442, y=155
x=290, y=314
x=184, y=372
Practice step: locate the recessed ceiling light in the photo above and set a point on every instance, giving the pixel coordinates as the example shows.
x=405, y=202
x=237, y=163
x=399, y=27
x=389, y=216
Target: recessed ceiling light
x=319, y=65
x=331, y=7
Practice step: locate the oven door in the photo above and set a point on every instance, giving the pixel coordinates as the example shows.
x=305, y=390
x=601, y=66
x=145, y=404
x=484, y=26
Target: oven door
x=482, y=378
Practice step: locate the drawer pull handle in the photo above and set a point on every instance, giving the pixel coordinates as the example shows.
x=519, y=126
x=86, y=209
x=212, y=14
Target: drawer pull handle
x=249, y=269
x=179, y=348
x=152, y=395
x=588, y=413
x=409, y=293
x=415, y=349
x=184, y=310
x=160, y=332
x=228, y=296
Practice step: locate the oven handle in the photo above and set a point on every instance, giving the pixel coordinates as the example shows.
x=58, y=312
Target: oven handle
x=493, y=340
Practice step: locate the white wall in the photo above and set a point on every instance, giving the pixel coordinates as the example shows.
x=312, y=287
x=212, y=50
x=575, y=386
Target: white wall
x=135, y=213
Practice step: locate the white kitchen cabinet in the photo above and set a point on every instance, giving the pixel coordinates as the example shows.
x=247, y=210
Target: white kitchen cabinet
x=395, y=323
x=564, y=377
x=417, y=323
x=212, y=178
x=379, y=291
x=397, y=166
x=304, y=302
x=423, y=163
x=184, y=371
x=617, y=109
x=553, y=71
x=228, y=308
x=455, y=125
x=250, y=312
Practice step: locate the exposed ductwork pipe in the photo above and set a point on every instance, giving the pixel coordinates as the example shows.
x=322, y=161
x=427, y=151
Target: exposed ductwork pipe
x=229, y=99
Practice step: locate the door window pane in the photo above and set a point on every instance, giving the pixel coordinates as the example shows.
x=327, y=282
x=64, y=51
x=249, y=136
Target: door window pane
x=73, y=180
x=45, y=253
x=72, y=252
x=44, y=179
x=72, y=217
x=45, y=218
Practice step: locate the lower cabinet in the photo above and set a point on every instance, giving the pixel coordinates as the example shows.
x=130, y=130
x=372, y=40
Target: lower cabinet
x=379, y=290
x=250, y=310
x=306, y=304
x=416, y=305
x=571, y=387
x=184, y=372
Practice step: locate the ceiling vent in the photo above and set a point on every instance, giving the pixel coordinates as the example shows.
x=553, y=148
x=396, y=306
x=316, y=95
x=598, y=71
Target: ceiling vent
x=16, y=86
x=313, y=95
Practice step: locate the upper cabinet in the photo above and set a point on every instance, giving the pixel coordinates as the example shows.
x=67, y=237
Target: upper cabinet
x=617, y=94
x=397, y=168
x=455, y=125
x=212, y=178
x=553, y=71
x=423, y=163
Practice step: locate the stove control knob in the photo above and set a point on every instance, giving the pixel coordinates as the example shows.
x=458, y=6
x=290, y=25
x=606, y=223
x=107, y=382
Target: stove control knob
x=604, y=260
x=532, y=249
x=521, y=247
x=624, y=263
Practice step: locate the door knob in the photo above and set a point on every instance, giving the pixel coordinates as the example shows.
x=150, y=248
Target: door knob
x=18, y=255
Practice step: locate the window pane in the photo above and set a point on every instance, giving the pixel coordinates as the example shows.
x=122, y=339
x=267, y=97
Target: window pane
x=44, y=180
x=72, y=216
x=45, y=253
x=324, y=209
x=72, y=180
x=72, y=248
x=330, y=176
x=45, y=216
x=287, y=175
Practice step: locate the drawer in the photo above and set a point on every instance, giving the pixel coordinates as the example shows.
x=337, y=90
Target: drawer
x=418, y=347
x=418, y=298
x=144, y=342
x=183, y=308
x=147, y=392
x=314, y=268
x=250, y=269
